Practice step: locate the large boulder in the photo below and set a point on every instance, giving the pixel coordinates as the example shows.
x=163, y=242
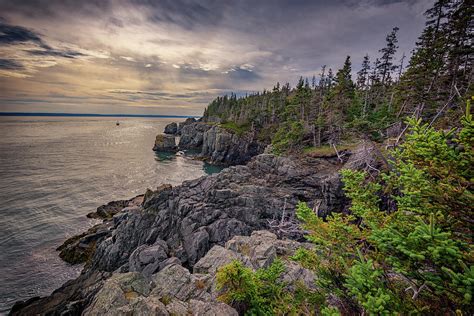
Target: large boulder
x=147, y=258
x=171, y=128
x=165, y=142
x=121, y=293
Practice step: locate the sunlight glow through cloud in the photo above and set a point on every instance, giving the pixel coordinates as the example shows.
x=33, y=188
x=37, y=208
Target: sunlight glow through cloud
x=175, y=56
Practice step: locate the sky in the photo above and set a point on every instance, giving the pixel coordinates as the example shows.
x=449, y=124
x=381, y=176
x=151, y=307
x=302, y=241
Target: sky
x=175, y=56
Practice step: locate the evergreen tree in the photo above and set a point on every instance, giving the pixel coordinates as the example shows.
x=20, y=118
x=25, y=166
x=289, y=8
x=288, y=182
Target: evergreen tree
x=363, y=73
x=386, y=66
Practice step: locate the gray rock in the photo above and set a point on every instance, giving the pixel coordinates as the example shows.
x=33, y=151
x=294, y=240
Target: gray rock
x=201, y=308
x=209, y=211
x=165, y=142
x=295, y=273
x=192, y=135
x=171, y=128
x=117, y=293
x=201, y=214
x=177, y=282
x=224, y=147
x=216, y=257
x=259, y=247
x=177, y=307
x=148, y=258
x=144, y=306
x=188, y=121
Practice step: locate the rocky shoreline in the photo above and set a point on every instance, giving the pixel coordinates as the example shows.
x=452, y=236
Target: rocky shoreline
x=146, y=247
x=213, y=143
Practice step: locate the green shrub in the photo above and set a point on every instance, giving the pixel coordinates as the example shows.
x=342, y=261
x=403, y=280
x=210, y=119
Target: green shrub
x=263, y=293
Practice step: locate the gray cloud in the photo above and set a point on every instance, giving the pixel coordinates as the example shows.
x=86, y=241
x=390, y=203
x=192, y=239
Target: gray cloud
x=56, y=53
x=9, y=64
x=12, y=34
x=165, y=52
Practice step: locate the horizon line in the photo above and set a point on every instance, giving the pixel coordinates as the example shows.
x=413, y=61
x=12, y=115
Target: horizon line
x=60, y=114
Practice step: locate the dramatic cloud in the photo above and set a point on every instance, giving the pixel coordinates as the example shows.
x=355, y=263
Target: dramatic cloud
x=174, y=56
x=10, y=64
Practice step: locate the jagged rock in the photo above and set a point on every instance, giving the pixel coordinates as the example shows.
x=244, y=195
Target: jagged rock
x=295, y=273
x=259, y=247
x=177, y=307
x=192, y=135
x=210, y=210
x=175, y=281
x=148, y=258
x=149, y=306
x=165, y=142
x=171, y=128
x=215, y=258
x=110, y=209
x=80, y=248
x=188, y=121
x=159, y=193
x=70, y=299
x=203, y=213
x=118, y=292
x=211, y=309
x=224, y=147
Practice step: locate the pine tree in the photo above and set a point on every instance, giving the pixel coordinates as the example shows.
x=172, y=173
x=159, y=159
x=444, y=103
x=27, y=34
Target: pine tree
x=339, y=100
x=386, y=66
x=363, y=73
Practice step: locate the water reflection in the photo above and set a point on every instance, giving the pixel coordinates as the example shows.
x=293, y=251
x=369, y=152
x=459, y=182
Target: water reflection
x=186, y=156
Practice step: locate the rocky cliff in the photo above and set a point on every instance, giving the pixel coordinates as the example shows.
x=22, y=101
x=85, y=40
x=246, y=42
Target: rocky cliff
x=215, y=144
x=179, y=225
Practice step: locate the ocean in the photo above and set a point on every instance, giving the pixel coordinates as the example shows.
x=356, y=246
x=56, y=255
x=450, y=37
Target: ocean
x=55, y=170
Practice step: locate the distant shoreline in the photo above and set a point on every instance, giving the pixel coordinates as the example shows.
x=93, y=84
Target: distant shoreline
x=92, y=115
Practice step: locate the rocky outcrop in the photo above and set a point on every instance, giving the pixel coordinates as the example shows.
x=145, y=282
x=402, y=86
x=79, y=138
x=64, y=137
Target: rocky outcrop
x=211, y=142
x=192, y=135
x=218, y=145
x=175, y=128
x=165, y=142
x=171, y=128
x=174, y=290
x=188, y=121
x=181, y=224
x=193, y=217
x=80, y=248
x=224, y=147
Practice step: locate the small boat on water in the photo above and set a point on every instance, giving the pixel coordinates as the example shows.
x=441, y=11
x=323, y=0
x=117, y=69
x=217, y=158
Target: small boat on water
x=180, y=153
x=118, y=123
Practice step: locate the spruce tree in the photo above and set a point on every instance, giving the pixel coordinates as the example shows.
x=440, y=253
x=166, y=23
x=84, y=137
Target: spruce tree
x=386, y=66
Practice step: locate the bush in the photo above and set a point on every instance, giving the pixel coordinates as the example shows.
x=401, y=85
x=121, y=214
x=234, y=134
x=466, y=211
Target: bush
x=262, y=292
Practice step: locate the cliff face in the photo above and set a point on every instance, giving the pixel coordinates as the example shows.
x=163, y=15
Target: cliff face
x=224, y=147
x=218, y=145
x=181, y=224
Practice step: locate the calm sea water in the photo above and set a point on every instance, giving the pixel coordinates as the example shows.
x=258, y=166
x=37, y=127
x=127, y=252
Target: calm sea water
x=53, y=171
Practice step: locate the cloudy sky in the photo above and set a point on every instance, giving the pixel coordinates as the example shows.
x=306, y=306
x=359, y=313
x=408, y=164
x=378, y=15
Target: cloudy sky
x=174, y=56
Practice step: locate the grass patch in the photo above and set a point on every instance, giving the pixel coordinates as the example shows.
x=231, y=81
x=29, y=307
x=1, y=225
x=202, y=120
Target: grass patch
x=327, y=150
x=236, y=128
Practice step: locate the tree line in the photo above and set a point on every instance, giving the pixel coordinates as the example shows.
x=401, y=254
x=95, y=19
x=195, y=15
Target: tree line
x=333, y=108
